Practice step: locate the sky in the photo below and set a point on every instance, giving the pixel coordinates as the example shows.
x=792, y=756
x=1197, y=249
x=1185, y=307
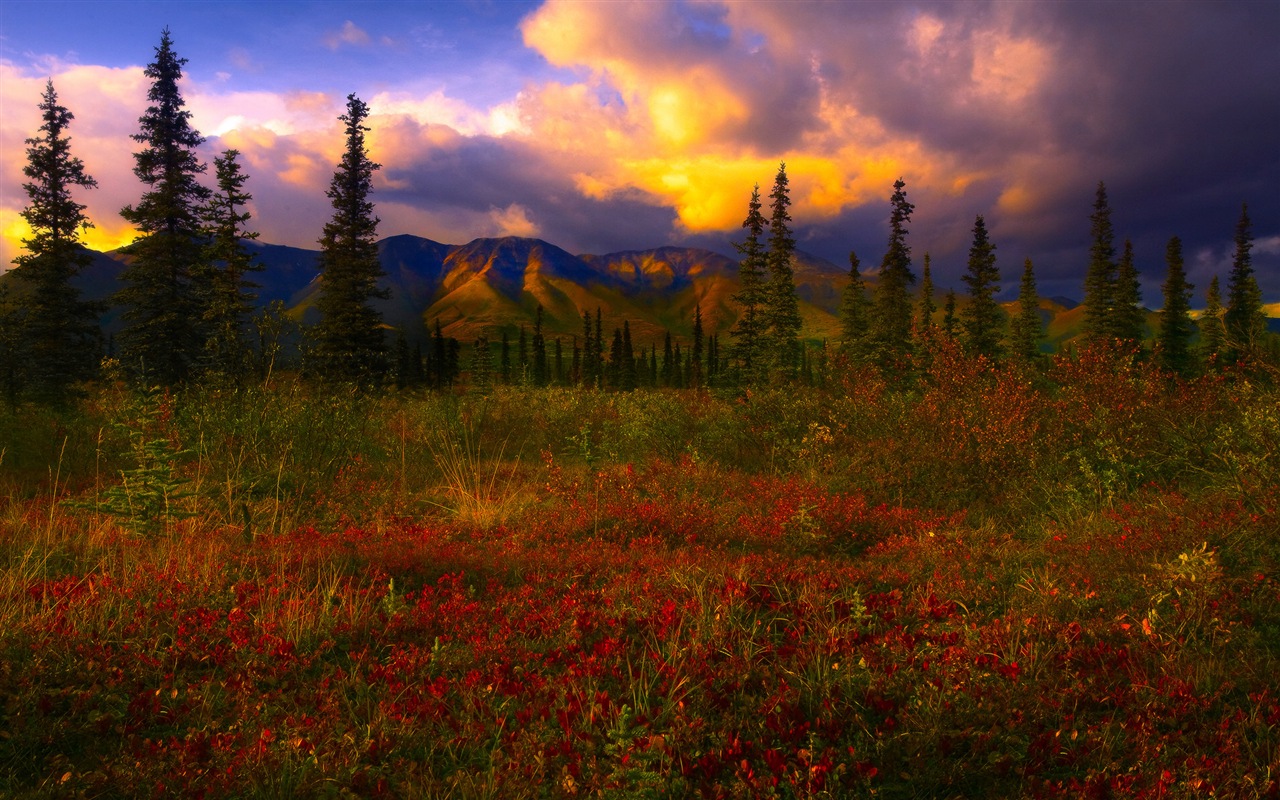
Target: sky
x=606, y=126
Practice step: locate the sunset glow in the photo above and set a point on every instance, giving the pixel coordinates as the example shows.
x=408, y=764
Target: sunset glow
x=621, y=125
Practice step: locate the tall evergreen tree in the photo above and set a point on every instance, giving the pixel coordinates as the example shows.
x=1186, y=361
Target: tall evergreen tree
x=589, y=367
x=522, y=356
x=57, y=342
x=161, y=335
x=926, y=306
x=668, y=362
x=225, y=294
x=482, y=365
x=613, y=371
x=1127, y=322
x=890, y=329
x=1027, y=329
x=982, y=318
x=713, y=359
x=1175, y=318
x=749, y=328
x=598, y=345
x=575, y=366
x=696, y=354
x=1213, y=331
x=782, y=309
x=1100, y=279
x=949, y=320
x=1244, y=320
x=627, y=364
x=539, y=350
x=853, y=312
x=350, y=343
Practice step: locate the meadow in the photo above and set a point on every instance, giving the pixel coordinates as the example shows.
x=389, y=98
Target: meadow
x=984, y=581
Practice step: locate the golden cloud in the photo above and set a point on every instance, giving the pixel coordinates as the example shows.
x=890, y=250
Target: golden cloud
x=683, y=132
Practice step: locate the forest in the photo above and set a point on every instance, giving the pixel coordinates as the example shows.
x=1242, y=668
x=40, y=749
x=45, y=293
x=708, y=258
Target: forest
x=926, y=559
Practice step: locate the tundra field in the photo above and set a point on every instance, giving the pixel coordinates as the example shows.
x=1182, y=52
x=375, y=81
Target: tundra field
x=990, y=583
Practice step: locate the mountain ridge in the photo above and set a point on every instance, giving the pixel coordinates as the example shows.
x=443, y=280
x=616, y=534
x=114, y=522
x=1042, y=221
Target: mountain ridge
x=489, y=286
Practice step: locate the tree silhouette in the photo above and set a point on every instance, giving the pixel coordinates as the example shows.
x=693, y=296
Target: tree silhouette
x=1027, y=329
x=1174, y=340
x=1099, y=281
x=55, y=337
x=162, y=333
x=1244, y=320
x=890, y=331
x=1127, y=323
x=350, y=346
x=982, y=318
x=224, y=292
x=782, y=311
x=748, y=330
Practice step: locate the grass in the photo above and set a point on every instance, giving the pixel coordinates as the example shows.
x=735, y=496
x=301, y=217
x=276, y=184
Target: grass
x=847, y=592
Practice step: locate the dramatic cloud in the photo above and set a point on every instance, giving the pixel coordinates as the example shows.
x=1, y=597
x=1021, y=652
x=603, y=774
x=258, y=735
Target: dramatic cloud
x=647, y=123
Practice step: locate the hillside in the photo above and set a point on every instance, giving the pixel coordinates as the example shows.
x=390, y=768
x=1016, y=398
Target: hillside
x=490, y=285
x=487, y=286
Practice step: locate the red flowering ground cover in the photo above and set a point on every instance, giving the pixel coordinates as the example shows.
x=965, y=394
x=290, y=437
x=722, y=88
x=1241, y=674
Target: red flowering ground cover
x=668, y=626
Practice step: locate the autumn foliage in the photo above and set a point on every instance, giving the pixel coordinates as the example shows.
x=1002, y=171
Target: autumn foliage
x=992, y=582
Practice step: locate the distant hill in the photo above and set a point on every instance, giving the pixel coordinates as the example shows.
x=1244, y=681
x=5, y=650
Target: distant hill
x=488, y=286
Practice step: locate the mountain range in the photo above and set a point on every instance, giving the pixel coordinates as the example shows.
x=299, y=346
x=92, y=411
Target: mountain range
x=490, y=285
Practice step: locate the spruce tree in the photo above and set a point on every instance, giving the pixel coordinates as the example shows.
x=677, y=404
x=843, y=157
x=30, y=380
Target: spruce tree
x=890, y=329
x=482, y=365
x=949, y=321
x=982, y=318
x=1127, y=322
x=350, y=344
x=599, y=349
x=748, y=330
x=162, y=334
x=539, y=350
x=853, y=312
x=522, y=356
x=695, y=357
x=627, y=365
x=225, y=294
x=1100, y=279
x=1244, y=319
x=589, y=368
x=782, y=310
x=713, y=359
x=1027, y=329
x=1213, y=332
x=1176, y=327
x=668, y=362
x=55, y=338
x=614, y=368
x=926, y=307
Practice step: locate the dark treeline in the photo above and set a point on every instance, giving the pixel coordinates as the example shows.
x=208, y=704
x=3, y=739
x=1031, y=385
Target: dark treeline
x=187, y=298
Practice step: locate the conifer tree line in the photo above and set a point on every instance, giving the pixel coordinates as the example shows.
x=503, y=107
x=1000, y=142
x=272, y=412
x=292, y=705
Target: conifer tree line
x=188, y=302
x=883, y=328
